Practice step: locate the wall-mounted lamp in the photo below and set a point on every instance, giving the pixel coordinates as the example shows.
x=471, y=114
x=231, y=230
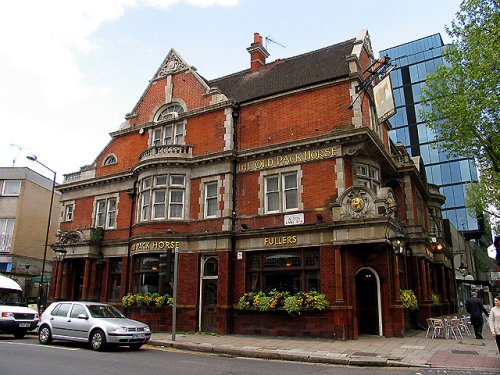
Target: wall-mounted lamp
x=463, y=269
x=168, y=231
x=244, y=226
x=60, y=253
x=398, y=242
x=319, y=217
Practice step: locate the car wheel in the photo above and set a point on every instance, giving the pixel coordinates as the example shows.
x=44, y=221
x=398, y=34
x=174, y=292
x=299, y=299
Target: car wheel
x=19, y=334
x=97, y=340
x=135, y=346
x=44, y=335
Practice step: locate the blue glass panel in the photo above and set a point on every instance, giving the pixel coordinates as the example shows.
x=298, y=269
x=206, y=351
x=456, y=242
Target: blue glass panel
x=455, y=172
x=433, y=151
x=392, y=135
x=458, y=193
x=422, y=133
x=462, y=219
x=424, y=152
x=446, y=173
x=416, y=92
x=472, y=222
x=447, y=191
x=436, y=174
x=473, y=170
x=422, y=73
x=465, y=170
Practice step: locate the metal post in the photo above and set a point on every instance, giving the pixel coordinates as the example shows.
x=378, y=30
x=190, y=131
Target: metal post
x=42, y=293
x=174, y=303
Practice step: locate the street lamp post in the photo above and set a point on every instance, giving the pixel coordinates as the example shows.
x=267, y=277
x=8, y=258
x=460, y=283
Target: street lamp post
x=42, y=294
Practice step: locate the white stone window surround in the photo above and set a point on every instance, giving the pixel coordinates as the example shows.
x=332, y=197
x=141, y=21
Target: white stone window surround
x=366, y=172
x=281, y=172
x=68, y=211
x=110, y=159
x=206, y=184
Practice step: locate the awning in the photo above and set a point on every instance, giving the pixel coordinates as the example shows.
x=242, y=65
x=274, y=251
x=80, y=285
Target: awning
x=46, y=278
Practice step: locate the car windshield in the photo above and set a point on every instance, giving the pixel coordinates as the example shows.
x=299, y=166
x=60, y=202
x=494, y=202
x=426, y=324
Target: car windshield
x=104, y=311
x=11, y=297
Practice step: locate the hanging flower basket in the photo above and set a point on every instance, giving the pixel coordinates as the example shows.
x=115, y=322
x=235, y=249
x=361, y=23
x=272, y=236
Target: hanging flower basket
x=275, y=300
x=148, y=299
x=408, y=299
x=436, y=299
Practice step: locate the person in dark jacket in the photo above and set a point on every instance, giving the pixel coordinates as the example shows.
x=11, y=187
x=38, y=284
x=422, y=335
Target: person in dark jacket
x=475, y=308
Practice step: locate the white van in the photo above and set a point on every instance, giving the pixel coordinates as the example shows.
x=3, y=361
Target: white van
x=15, y=316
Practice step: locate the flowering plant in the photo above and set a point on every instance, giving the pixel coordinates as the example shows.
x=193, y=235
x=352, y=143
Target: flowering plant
x=409, y=299
x=436, y=298
x=148, y=299
x=293, y=304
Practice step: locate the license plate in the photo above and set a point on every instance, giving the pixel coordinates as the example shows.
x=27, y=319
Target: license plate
x=24, y=325
x=139, y=336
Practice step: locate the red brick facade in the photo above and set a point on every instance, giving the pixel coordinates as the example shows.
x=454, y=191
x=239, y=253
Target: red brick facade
x=271, y=163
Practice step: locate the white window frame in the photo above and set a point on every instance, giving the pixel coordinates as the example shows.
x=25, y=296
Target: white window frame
x=367, y=175
x=69, y=210
x=11, y=182
x=161, y=207
x=210, y=199
x=6, y=233
x=282, y=192
x=106, y=210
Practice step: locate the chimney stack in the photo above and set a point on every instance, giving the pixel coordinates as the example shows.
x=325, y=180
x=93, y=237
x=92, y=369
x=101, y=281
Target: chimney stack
x=257, y=52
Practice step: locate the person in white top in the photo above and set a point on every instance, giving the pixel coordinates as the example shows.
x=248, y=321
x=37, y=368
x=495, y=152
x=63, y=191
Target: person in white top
x=494, y=321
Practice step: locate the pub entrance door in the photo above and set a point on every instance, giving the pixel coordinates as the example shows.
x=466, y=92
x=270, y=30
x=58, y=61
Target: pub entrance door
x=368, y=302
x=208, y=293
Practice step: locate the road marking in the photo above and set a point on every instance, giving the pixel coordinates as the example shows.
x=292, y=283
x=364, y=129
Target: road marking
x=37, y=345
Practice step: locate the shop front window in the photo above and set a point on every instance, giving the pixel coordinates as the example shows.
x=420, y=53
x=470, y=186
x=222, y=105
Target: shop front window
x=289, y=271
x=114, y=280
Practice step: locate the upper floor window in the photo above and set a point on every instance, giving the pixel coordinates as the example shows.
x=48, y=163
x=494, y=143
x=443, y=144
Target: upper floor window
x=162, y=197
x=68, y=212
x=172, y=134
x=109, y=160
x=6, y=232
x=11, y=187
x=105, y=215
x=367, y=175
x=211, y=199
x=281, y=192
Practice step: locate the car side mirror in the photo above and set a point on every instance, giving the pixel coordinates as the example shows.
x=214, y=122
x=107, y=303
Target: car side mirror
x=82, y=316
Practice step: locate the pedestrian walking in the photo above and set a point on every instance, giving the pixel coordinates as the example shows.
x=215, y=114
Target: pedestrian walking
x=475, y=308
x=494, y=321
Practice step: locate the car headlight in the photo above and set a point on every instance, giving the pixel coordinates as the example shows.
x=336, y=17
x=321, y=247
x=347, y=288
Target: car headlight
x=121, y=329
x=36, y=316
x=146, y=329
x=6, y=314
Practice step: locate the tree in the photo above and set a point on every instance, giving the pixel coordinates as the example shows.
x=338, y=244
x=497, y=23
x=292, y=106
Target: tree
x=461, y=101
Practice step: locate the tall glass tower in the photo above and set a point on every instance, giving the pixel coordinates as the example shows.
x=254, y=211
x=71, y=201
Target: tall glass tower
x=414, y=61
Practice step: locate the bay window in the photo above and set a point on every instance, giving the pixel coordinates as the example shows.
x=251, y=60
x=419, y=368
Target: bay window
x=162, y=197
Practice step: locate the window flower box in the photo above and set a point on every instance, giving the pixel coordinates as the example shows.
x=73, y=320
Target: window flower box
x=275, y=301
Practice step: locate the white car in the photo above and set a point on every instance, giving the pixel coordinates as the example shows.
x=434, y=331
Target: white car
x=99, y=324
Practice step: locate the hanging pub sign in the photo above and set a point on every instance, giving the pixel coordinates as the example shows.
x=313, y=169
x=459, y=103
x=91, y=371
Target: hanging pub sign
x=384, y=100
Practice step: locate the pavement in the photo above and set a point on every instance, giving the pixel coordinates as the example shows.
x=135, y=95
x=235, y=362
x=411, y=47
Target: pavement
x=413, y=350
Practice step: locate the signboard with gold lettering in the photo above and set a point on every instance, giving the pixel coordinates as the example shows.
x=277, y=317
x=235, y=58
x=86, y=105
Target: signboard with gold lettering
x=280, y=240
x=287, y=159
x=154, y=246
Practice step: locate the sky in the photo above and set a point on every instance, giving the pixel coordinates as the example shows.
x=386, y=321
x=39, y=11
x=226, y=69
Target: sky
x=70, y=70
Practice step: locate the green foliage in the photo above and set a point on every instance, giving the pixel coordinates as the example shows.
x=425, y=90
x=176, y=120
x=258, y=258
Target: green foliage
x=461, y=102
x=96, y=234
x=148, y=299
x=274, y=299
x=436, y=298
x=408, y=299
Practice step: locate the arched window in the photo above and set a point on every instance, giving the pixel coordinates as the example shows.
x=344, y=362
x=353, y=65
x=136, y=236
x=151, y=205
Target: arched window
x=169, y=112
x=109, y=160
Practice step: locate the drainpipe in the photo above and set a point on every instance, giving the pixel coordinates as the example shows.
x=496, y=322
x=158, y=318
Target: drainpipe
x=131, y=194
x=236, y=115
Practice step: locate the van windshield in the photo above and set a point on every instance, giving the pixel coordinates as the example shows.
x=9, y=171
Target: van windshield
x=11, y=297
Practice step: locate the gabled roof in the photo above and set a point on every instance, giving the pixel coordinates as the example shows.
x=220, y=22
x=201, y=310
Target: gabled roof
x=283, y=75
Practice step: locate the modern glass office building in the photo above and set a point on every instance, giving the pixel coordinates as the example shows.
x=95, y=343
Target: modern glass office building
x=414, y=61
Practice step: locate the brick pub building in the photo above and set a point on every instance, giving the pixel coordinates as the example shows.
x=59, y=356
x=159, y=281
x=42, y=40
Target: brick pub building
x=273, y=177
